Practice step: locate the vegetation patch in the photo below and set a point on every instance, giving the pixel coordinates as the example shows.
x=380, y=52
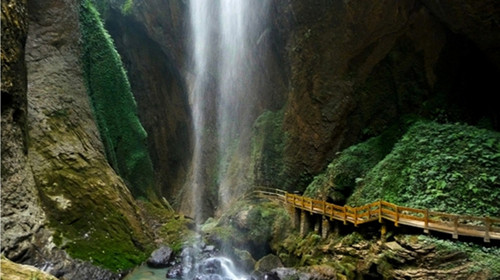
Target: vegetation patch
x=114, y=106
x=452, y=168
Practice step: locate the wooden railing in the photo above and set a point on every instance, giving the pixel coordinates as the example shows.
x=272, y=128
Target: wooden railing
x=457, y=225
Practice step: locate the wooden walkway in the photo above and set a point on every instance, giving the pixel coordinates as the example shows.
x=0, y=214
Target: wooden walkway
x=487, y=228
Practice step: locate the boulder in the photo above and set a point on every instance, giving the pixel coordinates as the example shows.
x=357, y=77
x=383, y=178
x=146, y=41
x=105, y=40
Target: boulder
x=160, y=257
x=268, y=263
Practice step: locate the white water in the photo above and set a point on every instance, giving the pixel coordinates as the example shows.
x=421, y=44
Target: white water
x=225, y=34
x=230, y=271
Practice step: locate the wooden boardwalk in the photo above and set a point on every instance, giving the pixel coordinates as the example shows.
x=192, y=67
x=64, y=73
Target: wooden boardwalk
x=487, y=228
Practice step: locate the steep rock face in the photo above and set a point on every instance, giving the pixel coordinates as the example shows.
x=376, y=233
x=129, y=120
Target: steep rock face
x=162, y=100
x=22, y=215
x=478, y=20
x=60, y=167
x=84, y=199
x=356, y=67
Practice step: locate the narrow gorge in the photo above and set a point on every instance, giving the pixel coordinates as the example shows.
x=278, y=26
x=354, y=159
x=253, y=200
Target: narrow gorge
x=155, y=139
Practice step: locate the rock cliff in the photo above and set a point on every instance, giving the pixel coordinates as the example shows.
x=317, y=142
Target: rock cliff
x=64, y=208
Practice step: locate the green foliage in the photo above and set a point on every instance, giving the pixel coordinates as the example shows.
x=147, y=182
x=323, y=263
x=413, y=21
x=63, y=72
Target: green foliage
x=104, y=6
x=127, y=7
x=444, y=167
x=350, y=166
x=114, y=106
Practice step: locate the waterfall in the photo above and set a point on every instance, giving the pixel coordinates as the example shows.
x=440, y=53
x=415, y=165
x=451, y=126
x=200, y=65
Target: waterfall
x=225, y=34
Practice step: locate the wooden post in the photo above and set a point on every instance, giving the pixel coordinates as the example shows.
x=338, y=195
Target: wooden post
x=383, y=231
x=426, y=221
x=356, y=216
x=487, y=222
x=345, y=215
x=455, y=227
x=380, y=211
x=304, y=223
x=296, y=217
x=397, y=216
x=325, y=227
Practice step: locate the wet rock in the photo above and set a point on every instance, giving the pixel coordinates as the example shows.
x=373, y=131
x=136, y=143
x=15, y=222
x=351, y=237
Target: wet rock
x=271, y=276
x=291, y=273
x=160, y=257
x=268, y=263
x=175, y=272
x=209, y=249
x=211, y=266
x=244, y=259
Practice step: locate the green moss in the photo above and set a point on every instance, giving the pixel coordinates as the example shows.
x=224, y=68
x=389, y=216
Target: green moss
x=175, y=232
x=113, y=105
x=92, y=220
x=452, y=168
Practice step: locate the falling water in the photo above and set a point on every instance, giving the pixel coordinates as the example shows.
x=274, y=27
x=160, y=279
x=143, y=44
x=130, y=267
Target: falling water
x=225, y=34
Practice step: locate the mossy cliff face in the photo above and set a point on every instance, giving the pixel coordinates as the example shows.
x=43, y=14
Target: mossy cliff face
x=89, y=211
x=114, y=106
